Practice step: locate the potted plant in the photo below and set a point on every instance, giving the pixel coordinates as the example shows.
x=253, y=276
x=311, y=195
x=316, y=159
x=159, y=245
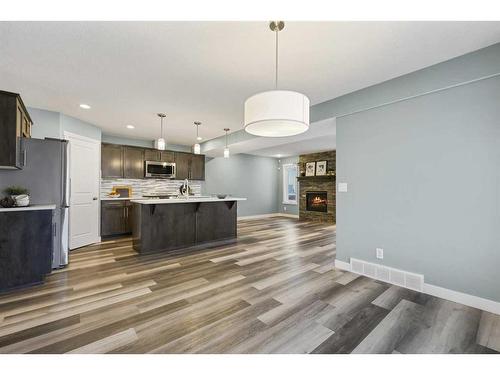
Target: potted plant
x=19, y=194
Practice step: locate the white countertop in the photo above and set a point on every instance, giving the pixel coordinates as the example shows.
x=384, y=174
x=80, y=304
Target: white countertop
x=35, y=207
x=186, y=200
x=119, y=199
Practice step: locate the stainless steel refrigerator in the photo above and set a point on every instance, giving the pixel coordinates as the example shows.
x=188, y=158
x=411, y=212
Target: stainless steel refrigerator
x=45, y=175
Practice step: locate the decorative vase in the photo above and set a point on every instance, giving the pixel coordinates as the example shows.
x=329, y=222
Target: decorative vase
x=22, y=200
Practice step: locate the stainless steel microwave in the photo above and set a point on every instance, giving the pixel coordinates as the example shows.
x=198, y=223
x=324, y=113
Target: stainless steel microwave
x=159, y=169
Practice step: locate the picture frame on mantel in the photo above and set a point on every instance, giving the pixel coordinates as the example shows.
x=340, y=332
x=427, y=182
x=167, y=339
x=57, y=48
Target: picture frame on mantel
x=310, y=168
x=321, y=168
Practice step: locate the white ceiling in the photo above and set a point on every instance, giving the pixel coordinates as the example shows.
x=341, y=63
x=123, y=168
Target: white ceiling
x=129, y=71
x=321, y=136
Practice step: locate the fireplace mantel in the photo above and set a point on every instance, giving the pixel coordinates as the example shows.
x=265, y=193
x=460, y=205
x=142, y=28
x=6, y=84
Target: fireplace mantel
x=312, y=178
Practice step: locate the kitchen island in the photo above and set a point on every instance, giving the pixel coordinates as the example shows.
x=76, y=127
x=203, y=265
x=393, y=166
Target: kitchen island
x=170, y=224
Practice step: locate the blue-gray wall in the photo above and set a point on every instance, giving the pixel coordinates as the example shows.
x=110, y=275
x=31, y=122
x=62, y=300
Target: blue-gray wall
x=108, y=138
x=422, y=167
x=46, y=124
x=49, y=124
x=291, y=209
x=76, y=126
x=248, y=176
x=140, y=142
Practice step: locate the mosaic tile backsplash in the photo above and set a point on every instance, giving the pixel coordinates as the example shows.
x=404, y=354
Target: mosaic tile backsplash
x=142, y=186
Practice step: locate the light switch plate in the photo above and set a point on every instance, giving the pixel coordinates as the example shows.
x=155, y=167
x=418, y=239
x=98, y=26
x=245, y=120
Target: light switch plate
x=379, y=253
x=342, y=187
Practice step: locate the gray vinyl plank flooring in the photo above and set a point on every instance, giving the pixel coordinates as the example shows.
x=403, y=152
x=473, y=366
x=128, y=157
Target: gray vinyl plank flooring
x=447, y=327
x=274, y=290
x=489, y=331
x=388, y=334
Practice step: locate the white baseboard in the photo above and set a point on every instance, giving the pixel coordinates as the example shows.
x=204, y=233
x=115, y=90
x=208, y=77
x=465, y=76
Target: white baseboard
x=276, y=214
x=451, y=295
x=464, y=299
x=251, y=217
x=342, y=265
x=289, y=215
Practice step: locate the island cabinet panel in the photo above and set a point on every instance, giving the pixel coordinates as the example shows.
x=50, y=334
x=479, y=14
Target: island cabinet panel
x=111, y=161
x=163, y=227
x=216, y=221
x=133, y=162
x=26, y=245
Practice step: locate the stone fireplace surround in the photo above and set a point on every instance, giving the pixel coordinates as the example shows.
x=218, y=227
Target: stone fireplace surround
x=318, y=184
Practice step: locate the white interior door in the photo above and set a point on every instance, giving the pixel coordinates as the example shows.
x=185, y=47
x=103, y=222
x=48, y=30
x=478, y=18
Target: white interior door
x=84, y=170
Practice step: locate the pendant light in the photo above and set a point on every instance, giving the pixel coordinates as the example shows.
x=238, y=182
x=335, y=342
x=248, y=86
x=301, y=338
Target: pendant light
x=226, y=149
x=160, y=143
x=196, y=147
x=277, y=113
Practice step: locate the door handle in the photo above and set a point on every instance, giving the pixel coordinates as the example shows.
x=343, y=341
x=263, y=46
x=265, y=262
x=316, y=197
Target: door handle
x=94, y=199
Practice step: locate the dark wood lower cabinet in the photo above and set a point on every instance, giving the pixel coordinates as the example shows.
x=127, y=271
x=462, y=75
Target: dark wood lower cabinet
x=26, y=245
x=164, y=227
x=116, y=218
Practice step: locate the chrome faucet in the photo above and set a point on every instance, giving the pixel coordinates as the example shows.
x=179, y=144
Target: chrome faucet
x=186, y=184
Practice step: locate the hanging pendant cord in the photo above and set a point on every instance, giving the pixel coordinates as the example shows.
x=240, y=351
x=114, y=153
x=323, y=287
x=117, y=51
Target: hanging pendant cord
x=276, y=78
x=161, y=135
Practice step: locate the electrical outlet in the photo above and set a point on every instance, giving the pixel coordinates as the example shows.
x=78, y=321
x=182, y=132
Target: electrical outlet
x=284, y=208
x=379, y=253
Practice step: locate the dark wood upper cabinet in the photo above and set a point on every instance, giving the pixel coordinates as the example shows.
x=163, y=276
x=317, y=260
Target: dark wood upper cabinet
x=133, y=162
x=197, y=167
x=189, y=166
x=15, y=123
x=111, y=161
x=118, y=161
x=152, y=155
x=182, y=165
x=167, y=156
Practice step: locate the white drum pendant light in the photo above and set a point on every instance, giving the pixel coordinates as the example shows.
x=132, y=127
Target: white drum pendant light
x=160, y=143
x=277, y=113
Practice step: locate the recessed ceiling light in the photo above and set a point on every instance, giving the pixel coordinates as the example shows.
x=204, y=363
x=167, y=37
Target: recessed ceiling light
x=84, y=106
x=130, y=127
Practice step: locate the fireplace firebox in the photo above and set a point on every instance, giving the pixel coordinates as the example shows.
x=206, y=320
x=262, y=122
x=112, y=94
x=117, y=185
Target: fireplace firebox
x=316, y=201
